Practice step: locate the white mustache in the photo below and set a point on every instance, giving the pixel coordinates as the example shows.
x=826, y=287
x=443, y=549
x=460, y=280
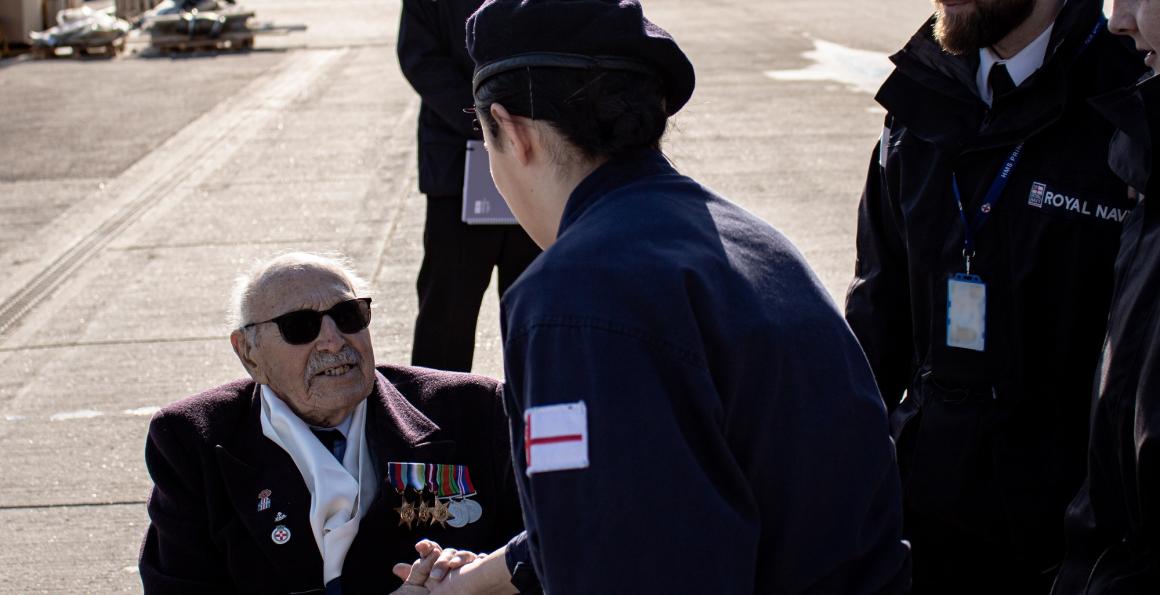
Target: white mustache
x=321, y=360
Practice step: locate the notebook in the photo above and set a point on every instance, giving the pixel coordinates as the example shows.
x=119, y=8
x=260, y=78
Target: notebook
x=482, y=203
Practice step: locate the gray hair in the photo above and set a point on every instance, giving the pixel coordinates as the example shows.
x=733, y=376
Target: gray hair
x=247, y=284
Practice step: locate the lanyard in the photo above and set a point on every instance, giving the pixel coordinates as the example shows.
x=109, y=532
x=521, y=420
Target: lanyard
x=970, y=228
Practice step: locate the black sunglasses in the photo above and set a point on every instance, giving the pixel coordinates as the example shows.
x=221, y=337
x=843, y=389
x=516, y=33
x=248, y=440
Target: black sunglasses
x=302, y=326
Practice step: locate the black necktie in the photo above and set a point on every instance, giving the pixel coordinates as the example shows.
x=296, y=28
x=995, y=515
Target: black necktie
x=333, y=440
x=1000, y=81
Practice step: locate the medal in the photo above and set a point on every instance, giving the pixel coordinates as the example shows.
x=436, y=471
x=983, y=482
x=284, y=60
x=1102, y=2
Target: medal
x=404, y=476
x=439, y=513
x=449, y=486
x=424, y=511
x=472, y=509
x=406, y=512
x=458, y=514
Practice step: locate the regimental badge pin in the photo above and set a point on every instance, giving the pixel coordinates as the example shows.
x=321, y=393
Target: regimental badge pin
x=263, y=500
x=280, y=535
x=281, y=516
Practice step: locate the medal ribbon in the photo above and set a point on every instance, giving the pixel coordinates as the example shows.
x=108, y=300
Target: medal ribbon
x=446, y=483
x=463, y=481
x=417, y=476
x=396, y=476
x=444, y=480
x=409, y=475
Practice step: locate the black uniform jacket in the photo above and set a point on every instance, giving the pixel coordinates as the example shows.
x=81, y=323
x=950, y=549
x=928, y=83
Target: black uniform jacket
x=736, y=443
x=1113, y=525
x=432, y=49
x=993, y=442
x=210, y=461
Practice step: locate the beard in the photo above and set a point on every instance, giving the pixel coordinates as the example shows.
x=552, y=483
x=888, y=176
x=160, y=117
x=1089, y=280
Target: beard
x=989, y=22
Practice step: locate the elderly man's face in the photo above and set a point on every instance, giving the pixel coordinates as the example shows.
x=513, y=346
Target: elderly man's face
x=963, y=26
x=324, y=379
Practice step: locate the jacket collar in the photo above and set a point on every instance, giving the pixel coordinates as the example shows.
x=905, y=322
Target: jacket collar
x=398, y=431
x=252, y=463
x=610, y=176
x=1135, y=112
x=935, y=95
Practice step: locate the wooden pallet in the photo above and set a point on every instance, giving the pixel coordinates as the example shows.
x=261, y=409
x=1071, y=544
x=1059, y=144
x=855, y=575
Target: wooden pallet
x=12, y=50
x=105, y=50
x=236, y=41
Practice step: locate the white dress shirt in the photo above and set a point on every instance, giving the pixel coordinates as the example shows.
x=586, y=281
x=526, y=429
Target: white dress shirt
x=1020, y=66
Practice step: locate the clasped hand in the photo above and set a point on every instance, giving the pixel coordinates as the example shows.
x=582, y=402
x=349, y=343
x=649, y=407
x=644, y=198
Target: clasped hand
x=438, y=571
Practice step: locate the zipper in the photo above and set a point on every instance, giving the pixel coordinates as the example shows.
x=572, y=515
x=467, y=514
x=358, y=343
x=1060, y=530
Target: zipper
x=1092, y=574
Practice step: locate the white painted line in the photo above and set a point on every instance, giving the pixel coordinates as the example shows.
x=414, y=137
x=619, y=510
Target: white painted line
x=142, y=411
x=164, y=177
x=859, y=70
x=88, y=414
x=82, y=414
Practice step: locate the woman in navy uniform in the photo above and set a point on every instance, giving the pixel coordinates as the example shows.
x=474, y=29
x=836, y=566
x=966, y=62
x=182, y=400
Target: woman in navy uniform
x=1113, y=525
x=690, y=413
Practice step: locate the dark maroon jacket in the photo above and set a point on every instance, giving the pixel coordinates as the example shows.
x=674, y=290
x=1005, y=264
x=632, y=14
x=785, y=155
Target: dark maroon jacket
x=209, y=461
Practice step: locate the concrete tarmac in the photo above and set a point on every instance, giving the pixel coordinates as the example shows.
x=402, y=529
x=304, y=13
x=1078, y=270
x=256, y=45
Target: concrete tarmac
x=134, y=190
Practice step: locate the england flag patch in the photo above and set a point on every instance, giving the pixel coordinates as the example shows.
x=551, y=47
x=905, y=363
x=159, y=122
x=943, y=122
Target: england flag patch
x=556, y=438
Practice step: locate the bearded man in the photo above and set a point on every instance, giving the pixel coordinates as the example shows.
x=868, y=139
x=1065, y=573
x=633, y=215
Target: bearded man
x=321, y=468
x=987, y=234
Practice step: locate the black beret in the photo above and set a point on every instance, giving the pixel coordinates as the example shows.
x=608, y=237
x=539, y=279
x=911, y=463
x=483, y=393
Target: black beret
x=505, y=35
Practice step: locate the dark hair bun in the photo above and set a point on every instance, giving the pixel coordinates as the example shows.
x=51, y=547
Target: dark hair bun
x=603, y=113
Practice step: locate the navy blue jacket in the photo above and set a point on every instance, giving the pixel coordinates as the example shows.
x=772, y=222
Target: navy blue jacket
x=737, y=443
x=432, y=51
x=1113, y=525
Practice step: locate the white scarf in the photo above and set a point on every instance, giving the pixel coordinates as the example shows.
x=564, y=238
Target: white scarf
x=339, y=494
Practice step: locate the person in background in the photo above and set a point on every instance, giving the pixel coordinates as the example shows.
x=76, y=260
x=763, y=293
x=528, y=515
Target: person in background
x=1113, y=524
x=987, y=232
x=458, y=258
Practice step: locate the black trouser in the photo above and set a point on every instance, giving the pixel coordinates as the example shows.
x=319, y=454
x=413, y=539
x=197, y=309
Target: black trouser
x=457, y=264
x=955, y=499
x=949, y=561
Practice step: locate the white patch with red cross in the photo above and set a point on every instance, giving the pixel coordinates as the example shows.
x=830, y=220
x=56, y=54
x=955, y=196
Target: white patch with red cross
x=556, y=438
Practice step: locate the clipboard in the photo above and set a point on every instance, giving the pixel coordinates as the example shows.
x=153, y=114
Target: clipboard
x=482, y=202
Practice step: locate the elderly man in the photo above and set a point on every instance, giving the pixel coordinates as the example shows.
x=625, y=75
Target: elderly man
x=319, y=470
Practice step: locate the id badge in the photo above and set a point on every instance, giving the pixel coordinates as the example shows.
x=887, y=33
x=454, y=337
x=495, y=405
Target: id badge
x=966, y=312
